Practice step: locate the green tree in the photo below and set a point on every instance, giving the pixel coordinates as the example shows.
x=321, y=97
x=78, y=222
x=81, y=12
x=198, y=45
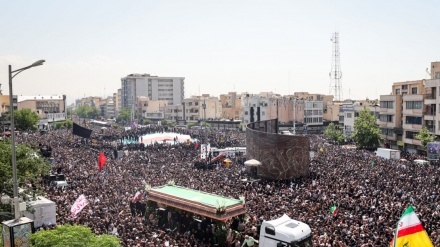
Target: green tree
x=124, y=115
x=189, y=125
x=72, y=236
x=167, y=123
x=333, y=133
x=86, y=111
x=25, y=119
x=366, y=132
x=30, y=170
x=425, y=136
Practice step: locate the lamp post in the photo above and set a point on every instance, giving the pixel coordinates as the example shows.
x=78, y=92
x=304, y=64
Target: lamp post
x=12, y=74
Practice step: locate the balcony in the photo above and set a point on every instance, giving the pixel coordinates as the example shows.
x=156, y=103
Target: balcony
x=412, y=127
x=412, y=141
x=429, y=117
x=430, y=100
x=387, y=137
x=388, y=125
x=413, y=112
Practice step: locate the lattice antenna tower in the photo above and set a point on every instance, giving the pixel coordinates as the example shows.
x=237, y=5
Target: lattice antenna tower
x=336, y=73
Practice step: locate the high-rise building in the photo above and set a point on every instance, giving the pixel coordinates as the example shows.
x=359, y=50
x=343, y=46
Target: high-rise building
x=170, y=89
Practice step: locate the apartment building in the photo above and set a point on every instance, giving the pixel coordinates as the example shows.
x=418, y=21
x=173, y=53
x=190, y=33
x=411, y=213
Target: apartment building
x=431, y=118
x=174, y=113
x=50, y=108
x=231, y=105
x=402, y=114
x=5, y=104
x=259, y=107
x=191, y=109
x=108, y=108
x=170, y=89
x=350, y=110
x=210, y=107
x=151, y=109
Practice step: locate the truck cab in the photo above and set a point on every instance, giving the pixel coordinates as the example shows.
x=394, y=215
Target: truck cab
x=285, y=231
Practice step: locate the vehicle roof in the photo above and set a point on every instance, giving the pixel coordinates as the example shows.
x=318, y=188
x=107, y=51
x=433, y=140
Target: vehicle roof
x=288, y=229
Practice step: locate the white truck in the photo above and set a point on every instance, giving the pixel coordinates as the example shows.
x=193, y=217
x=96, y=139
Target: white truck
x=388, y=153
x=44, y=212
x=285, y=231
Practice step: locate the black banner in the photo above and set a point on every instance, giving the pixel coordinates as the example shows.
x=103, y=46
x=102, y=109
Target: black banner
x=81, y=131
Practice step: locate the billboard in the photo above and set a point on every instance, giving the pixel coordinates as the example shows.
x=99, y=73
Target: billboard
x=433, y=149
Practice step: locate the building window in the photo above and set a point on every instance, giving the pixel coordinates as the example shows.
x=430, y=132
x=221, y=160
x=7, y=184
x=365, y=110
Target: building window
x=410, y=134
x=387, y=132
x=386, y=118
x=397, y=91
x=404, y=87
x=387, y=104
x=414, y=90
x=413, y=120
x=437, y=75
x=348, y=115
x=414, y=105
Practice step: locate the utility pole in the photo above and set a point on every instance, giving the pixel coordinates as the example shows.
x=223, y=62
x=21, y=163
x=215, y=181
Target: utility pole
x=294, y=116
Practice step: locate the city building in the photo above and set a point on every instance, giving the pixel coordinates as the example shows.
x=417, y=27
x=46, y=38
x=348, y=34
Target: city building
x=231, y=105
x=210, y=107
x=49, y=108
x=402, y=114
x=191, y=109
x=432, y=100
x=108, y=109
x=153, y=110
x=350, y=110
x=175, y=113
x=170, y=89
x=258, y=107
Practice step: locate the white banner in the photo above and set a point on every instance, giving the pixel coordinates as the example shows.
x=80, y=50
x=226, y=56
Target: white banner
x=203, y=151
x=79, y=204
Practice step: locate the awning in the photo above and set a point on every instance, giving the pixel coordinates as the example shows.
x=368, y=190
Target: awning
x=252, y=162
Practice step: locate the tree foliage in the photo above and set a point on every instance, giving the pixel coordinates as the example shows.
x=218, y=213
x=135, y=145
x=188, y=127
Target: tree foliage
x=333, y=133
x=30, y=169
x=167, y=123
x=124, y=115
x=86, y=111
x=25, y=119
x=72, y=236
x=424, y=136
x=366, y=132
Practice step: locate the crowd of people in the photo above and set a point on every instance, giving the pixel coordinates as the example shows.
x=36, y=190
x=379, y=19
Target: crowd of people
x=370, y=193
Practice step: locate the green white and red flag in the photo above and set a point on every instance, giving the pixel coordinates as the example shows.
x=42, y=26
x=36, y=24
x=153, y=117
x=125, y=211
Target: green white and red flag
x=410, y=231
x=334, y=210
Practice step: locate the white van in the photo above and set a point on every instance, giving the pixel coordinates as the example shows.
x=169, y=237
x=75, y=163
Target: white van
x=285, y=231
x=421, y=162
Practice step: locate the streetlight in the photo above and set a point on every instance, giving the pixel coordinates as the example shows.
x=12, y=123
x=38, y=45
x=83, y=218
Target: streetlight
x=12, y=74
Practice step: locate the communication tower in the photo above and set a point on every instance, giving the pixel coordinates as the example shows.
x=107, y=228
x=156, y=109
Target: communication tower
x=335, y=73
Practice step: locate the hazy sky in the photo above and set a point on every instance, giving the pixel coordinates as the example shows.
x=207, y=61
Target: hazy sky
x=218, y=46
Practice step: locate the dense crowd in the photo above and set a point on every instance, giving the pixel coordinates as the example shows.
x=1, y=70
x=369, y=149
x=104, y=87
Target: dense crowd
x=370, y=193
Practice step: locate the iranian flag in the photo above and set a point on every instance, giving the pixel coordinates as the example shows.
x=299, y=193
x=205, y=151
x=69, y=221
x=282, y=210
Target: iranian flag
x=334, y=210
x=136, y=196
x=410, y=231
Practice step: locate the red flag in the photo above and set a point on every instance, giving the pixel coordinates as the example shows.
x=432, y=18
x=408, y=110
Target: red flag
x=102, y=160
